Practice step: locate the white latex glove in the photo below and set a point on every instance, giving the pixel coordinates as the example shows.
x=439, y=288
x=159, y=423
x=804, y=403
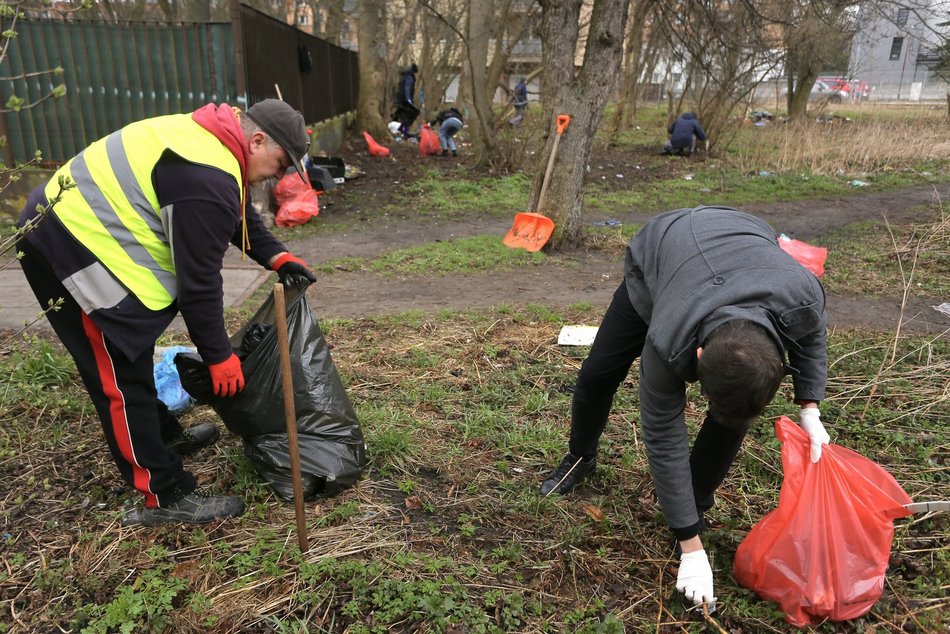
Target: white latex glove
x=810, y=420
x=695, y=579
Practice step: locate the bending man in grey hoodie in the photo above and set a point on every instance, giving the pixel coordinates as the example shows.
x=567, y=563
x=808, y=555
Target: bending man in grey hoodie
x=707, y=295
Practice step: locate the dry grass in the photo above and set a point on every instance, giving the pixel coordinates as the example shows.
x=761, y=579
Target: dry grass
x=830, y=145
x=464, y=414
x=479, y=401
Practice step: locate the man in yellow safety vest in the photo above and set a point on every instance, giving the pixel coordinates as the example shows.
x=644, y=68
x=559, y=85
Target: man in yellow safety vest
x=141, y=237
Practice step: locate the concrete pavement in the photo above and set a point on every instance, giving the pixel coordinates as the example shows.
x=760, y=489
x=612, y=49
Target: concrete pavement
x=18, y=305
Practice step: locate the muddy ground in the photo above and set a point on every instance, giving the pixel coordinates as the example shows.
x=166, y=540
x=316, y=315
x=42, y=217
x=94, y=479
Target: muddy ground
x=584, y=276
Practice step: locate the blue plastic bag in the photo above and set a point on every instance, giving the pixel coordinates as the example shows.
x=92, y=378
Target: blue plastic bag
x=168, y=383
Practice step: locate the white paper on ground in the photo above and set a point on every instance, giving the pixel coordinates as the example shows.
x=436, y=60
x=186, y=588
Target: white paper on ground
x=576, y=335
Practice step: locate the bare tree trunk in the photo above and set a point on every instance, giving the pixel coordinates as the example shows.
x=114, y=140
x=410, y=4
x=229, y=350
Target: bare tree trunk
x=372, y=66
x=477, y=36
x=634, y=58
x=332, y=26
x=582, y=96
x=560, y=21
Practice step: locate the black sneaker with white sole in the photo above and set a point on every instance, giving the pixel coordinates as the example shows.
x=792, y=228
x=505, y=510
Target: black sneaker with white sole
x=198, y=507
x=567, y=475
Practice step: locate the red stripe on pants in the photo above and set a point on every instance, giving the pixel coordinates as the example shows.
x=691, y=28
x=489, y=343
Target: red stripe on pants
x=117, y=416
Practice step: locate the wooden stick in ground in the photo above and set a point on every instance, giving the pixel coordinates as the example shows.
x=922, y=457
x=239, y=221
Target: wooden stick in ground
x=290, y=413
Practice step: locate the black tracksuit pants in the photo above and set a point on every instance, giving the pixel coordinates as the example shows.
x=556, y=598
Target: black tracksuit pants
x=618, y=343
x=135, y=422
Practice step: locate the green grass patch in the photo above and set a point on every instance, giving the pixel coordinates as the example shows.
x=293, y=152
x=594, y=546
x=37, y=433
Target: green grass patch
x=707, y=185
x=444, y=195
x=868, y=258
x=464, y=255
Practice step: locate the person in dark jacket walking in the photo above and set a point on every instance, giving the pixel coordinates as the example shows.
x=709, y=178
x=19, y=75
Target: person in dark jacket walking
x=520, y=102
x=707, y=295
x=449, y=122
x=406, y=110
x=140, y=237
x=684, y=134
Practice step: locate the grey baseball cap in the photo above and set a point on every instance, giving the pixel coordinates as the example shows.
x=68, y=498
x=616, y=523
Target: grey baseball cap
x=286, y=126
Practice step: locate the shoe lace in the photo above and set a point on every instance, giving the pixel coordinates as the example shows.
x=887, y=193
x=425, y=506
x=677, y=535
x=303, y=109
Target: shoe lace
x=202, y=492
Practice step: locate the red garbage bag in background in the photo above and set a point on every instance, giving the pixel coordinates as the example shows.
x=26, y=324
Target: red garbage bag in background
x=823, y=552
x=375, y=149
x=811, y=257
x=296, y=201
x=428, y=141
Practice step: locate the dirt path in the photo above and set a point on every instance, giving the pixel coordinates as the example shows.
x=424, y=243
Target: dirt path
x=587, y=277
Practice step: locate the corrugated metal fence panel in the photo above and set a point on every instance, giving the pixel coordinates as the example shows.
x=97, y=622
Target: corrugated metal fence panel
x=345, y=81
x=119, y=73
x=270, y=59
x=114, y=74
x=316, y=83
x=273, y=53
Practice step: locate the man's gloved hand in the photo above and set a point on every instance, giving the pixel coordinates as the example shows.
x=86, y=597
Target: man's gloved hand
x=695, y=579
x=227, y=379
x=293, y=271
x=810, y=420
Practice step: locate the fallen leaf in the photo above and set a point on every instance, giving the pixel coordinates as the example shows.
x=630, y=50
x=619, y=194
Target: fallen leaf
x=593, y=512
x=413, y=502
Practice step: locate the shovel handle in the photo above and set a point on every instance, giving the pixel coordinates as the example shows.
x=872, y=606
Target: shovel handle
x=290, y=415
x=928, y=507
x=562, y=122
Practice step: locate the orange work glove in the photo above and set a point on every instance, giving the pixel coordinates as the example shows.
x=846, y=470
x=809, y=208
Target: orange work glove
x=226, y=377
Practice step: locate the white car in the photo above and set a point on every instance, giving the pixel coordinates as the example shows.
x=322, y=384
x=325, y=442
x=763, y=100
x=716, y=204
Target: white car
x=823, y=92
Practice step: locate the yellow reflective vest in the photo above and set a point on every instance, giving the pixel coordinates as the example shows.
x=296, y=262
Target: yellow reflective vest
x=114, y=212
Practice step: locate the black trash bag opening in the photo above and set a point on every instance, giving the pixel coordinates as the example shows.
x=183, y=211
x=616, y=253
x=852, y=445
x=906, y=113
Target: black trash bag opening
x=331, y=443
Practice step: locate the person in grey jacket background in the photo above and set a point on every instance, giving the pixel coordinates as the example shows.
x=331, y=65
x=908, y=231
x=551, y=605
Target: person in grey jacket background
x=707, y=295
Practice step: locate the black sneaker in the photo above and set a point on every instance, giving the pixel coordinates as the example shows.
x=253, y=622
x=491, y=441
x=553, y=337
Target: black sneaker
x=198, y=507
x=567, y=475
x=194, y=438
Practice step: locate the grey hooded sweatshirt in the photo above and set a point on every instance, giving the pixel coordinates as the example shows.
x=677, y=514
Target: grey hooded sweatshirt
x=687, y=272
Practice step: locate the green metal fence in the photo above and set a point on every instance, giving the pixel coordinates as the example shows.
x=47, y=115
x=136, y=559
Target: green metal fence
x=117, y=73
x=114, y=74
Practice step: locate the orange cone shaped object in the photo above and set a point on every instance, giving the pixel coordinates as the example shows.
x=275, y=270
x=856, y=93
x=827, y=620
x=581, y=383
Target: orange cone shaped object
x=530, y=231
x=375, y=149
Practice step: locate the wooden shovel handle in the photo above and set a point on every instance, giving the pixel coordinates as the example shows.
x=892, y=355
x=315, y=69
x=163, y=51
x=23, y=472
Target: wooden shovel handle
x=290, y=414
x=562, y=122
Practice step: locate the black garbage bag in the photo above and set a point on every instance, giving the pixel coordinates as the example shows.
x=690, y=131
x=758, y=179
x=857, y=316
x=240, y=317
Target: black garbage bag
x=332, y=449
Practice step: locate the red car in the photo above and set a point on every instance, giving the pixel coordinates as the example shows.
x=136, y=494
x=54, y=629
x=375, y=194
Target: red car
x=849, y=89
x=838, y=83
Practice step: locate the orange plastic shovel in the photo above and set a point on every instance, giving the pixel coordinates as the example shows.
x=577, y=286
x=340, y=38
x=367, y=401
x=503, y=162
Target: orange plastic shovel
x=532, y=230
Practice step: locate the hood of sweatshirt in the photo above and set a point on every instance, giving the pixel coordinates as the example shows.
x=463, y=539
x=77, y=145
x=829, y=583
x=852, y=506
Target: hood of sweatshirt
x=223, y=123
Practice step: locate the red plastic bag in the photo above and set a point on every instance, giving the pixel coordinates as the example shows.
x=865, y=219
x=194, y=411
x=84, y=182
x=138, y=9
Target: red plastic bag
x=296, y=201
x=375, y=149
x=823, y=552
x=811, y=257
x=428, y=141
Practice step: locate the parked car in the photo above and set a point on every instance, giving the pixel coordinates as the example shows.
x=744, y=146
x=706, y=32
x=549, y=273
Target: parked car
x=860, y=90
x=825, y=93
x=840, y=84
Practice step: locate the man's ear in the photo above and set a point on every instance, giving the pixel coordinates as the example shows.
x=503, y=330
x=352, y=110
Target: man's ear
x=256, y=142
x=699, y=352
